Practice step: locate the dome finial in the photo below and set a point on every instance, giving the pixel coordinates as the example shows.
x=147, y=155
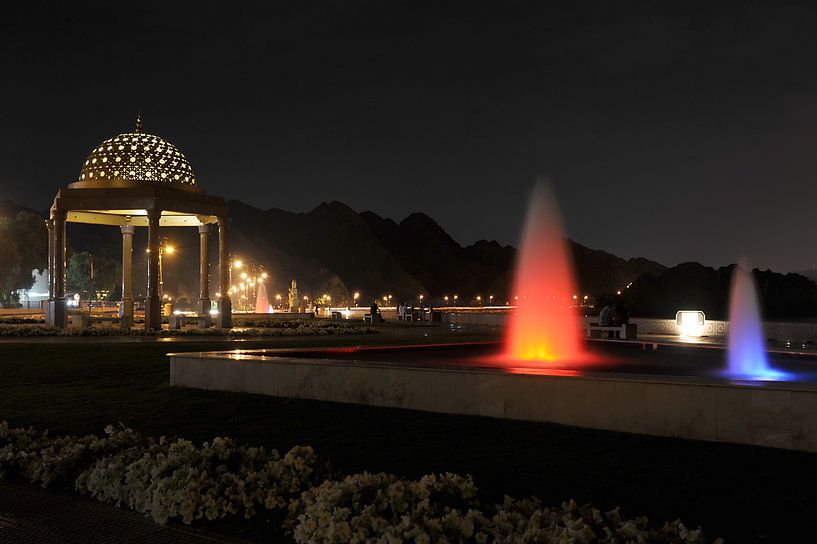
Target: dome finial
x=138, y=121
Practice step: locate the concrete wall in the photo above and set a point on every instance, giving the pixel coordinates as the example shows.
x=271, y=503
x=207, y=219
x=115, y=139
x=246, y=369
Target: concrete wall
x=778, y=330
x=475, y=318
x=779, y=415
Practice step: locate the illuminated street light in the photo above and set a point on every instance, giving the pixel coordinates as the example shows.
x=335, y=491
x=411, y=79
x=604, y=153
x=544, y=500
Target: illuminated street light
x=164, y=247
x=237, y=263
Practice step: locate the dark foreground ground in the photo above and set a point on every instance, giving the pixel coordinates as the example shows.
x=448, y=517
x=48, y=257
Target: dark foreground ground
x=739, y=492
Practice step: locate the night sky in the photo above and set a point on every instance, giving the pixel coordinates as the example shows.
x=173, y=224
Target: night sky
x=674, y=134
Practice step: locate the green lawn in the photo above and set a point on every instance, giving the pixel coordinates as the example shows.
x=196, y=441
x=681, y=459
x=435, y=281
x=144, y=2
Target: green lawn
x=733, y=491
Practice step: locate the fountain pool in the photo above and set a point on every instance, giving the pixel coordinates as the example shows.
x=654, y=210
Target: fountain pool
x=657, y=389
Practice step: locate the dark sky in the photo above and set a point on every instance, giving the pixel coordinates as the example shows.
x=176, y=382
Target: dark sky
x=684, y=133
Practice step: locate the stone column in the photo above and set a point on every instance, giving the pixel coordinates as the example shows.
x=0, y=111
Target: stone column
x=225, y=307
x=126, y=309
x=49, y=224
x=56, y=315
x=204, y=270
x=153, y=306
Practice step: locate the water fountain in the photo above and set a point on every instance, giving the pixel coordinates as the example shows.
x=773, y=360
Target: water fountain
x=747, y=358
x=545, y=371
x=262, y=305
x=545, y=327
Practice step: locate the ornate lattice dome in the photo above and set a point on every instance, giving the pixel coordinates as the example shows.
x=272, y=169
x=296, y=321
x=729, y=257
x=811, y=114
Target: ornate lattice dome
x=136, y=156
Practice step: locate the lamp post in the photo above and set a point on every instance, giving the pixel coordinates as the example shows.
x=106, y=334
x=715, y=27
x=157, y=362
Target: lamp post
x=164, y=247
x=237, y=264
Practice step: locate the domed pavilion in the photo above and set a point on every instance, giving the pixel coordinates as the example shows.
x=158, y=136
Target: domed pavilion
x=135, y=180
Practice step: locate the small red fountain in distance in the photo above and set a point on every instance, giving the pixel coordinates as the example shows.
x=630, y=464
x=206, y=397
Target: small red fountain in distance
x=545, y=327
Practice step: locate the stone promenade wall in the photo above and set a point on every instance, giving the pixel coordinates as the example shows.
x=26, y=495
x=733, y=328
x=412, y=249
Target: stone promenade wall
x=778, y=330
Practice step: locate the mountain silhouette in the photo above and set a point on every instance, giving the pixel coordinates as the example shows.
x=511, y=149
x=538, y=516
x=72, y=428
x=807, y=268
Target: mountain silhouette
x=334, y=250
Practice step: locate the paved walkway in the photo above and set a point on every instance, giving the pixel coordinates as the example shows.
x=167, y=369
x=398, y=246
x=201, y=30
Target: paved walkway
x=29, y=514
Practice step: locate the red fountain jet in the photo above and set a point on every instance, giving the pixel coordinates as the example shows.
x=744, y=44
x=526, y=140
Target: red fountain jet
x=546, y=327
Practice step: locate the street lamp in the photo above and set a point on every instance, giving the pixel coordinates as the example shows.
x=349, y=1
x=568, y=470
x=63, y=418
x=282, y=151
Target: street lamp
x=164, y=247
x=356, y=296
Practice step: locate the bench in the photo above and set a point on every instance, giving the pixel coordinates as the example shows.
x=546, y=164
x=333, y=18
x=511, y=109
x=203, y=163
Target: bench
x=85, y=321
x=628, y=331
x=367, y=318
x=178, y=321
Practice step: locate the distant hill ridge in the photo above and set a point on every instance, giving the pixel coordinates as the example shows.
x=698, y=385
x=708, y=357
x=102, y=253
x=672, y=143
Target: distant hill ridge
x=369, y=252
x=335, y=250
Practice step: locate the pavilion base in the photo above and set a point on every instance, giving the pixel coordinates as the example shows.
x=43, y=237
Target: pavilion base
x=224, y=319
x=126, y=315
x=56, y=314
x=781, y=414
x=153, y=314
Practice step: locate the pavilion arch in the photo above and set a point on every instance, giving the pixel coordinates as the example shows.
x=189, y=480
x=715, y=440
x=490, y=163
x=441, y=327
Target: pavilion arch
x=138, y=180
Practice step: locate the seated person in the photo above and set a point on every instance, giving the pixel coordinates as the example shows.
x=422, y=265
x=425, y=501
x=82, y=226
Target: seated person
x=606, y=316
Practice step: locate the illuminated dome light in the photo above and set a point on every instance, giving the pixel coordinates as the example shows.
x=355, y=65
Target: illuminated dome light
x=149, y=158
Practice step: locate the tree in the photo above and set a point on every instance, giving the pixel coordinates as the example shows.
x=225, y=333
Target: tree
x=29, y=232
x=24, y=248
x=9, y=266
x=106, y=274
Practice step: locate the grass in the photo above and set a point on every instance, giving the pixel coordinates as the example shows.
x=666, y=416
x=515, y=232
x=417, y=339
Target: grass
x=739, y=492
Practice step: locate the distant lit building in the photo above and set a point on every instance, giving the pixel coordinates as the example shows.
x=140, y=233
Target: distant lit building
x=34, y=296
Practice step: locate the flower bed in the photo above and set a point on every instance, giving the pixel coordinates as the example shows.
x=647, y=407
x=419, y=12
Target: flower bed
x=177, y=480
x=285, y=328
x=24, y=320
x=444, y=508
x=163, y=479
